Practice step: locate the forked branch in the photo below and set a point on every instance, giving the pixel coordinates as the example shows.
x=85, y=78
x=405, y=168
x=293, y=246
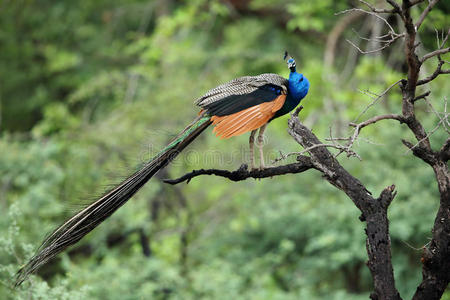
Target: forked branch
x=373, y=211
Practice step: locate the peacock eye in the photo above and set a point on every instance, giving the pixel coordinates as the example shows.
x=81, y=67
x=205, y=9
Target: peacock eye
x=301, y=79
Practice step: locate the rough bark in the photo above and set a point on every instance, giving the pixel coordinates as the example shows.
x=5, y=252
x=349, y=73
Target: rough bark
x=374, y=210
x=436, y=256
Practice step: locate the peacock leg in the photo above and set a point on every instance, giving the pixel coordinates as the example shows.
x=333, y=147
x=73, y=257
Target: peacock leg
x=260, y=144
x=251, y=141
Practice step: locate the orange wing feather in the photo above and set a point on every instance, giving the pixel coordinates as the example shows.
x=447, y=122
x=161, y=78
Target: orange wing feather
x=248, y=119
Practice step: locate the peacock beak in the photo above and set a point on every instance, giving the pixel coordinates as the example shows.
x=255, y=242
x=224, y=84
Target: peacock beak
x=291, y=65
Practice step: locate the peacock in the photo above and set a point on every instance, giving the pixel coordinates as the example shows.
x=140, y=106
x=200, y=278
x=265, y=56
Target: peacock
x=244, y=104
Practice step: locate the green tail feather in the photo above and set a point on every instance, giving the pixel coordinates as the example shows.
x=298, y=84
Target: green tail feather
x=75, y=228
x=186, y=132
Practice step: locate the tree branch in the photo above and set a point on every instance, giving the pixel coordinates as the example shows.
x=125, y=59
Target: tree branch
x=421, y=152
x=335, y=34
x=422, y=96
x=435, y=53
x=435, y=259
x=424, y=13
x=303, y=164
x=378, y=118
x=375, y=99
x=358, y=127
x=387, y=39
x=435, y=74
x=411, y=58
x=435, y=256
x=374, y=211
x=378, y=10
x=441, y=62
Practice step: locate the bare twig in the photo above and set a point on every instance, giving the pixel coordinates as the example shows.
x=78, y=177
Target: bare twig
x=424, y=13
x=426, y=137
x=376, y=38
x=440, y=45
x=377, y=98
x=435, y=74
x=391, y=29
x=444, y=40
x=373, y=120
x=386, y=45
x=335, y=34
x=443, y=120
x=441, y=50
x=392, y=35
x=378, y=10
x=435, y=53
x=422, y=96
x=412, y=247
x=334, y=145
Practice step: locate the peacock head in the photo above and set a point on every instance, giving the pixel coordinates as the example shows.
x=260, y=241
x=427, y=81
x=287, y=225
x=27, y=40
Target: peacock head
x=290, y=61
x=299, y=84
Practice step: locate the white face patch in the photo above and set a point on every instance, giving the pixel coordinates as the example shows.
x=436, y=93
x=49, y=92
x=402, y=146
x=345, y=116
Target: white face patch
x=291, y=64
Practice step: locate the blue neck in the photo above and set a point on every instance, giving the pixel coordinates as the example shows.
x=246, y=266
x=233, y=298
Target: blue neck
x=298, y=86
x=297, y=90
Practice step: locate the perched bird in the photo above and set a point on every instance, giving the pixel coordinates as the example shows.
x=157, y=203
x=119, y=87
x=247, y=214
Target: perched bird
x=242, y=105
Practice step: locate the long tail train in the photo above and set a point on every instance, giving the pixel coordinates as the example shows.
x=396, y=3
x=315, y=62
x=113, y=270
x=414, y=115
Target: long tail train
x=75, y=228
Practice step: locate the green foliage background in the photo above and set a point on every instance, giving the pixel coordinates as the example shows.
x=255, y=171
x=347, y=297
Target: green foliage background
x=89, y=89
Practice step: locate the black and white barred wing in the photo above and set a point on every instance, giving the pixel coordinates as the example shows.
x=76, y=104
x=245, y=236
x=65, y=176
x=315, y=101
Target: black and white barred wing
x=242, y=93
